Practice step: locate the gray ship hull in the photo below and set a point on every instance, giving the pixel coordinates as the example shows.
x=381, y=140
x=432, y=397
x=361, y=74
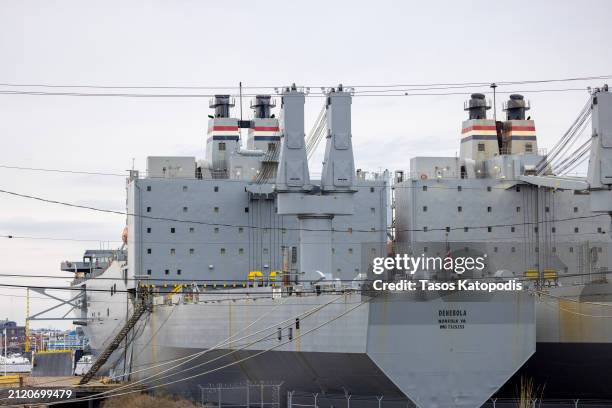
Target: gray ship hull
x=437, y=351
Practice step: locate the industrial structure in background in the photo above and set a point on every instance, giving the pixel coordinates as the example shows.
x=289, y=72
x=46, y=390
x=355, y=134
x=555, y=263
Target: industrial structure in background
x=245, y=260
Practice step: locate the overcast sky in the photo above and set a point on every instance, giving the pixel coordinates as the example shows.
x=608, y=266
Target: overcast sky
x=320, y=43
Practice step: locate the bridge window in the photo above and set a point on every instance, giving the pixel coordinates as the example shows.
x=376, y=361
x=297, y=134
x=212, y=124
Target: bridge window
x=528, y=148
x=481, y=147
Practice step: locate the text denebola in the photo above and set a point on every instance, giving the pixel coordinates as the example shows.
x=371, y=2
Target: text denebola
x=458, y=285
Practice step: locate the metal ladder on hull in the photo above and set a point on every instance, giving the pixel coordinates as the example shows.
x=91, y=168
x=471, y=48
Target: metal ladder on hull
x=139, y=310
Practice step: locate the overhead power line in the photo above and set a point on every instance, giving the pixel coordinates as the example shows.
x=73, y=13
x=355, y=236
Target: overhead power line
x=197, y=222
x=236, y=87
x=398, y=93
x=200, y=282
x=90, y=173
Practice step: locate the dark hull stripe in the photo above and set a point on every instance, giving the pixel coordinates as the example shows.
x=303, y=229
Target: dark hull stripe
x=566, y=370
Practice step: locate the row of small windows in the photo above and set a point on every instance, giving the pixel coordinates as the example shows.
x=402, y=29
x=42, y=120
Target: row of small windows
x=216, y=189
x=512, y=229
x=222, y=251
x=246, y=209
x=490, y=209
x=489, y=188
x=166, y=271
x=241, y=229
x=186, y=188
x=216, y=230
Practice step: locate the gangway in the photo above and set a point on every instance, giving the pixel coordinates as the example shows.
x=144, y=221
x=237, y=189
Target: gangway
x=140, y=308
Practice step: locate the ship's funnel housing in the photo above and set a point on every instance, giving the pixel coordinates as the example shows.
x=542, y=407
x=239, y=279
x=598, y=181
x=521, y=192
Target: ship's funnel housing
x=264, y=133
x=478, y=134
x=223, y=136
x=477, y=106
x=516, y=107
x=519, y=134
x=221, y=104
x=261, y=106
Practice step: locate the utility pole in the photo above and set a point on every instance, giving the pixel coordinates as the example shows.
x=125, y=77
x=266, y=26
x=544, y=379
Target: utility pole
x=27, y=322
x=5, y=352
x=240, y=86
x=493, y=86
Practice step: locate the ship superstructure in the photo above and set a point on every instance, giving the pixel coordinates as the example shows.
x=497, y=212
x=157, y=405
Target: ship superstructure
x=255, y=271
x=501, y=197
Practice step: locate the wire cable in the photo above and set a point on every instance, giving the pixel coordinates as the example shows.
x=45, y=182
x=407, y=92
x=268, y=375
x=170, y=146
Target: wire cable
x=125, y=213
x=239, y=361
